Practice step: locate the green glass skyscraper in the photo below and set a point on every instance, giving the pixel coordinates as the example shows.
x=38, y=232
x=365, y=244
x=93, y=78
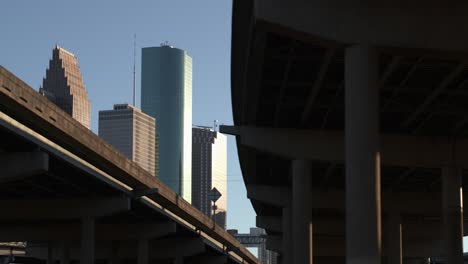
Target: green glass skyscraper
x=166, y=95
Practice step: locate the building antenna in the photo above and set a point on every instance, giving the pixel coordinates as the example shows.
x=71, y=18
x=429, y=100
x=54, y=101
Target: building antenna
x=134, y=69
x=215, y=125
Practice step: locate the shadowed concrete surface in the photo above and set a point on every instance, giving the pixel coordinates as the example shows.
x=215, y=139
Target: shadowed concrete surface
x=351, y=126
x=73, y=197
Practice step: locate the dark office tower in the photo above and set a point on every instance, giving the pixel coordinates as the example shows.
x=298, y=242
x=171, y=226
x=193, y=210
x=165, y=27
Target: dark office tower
x=209, y=170
x=132, y=132
x=64, y=86
x=166, y=95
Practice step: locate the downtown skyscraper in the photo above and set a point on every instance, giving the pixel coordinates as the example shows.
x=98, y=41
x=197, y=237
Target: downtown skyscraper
x=209, y=170
x=132, y=132
x=166, y=95
x=63, y=85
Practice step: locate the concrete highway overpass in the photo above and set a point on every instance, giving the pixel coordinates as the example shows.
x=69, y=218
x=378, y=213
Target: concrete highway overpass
x=351, y=122
x=75, y=199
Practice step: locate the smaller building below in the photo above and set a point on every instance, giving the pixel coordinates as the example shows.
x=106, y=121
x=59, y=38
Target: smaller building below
x=209, y=170
x=133, y=133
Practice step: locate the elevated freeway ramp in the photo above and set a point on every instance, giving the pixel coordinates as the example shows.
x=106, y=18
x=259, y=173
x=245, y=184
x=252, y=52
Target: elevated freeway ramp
x=74, y=198
x=351, y=126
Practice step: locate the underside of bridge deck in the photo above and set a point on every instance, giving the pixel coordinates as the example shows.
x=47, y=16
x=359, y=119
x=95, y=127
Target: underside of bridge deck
x=75, y=199
x=360, y=137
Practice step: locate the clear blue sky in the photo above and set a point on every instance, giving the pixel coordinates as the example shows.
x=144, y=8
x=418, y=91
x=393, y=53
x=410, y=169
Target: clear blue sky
x=100, y=33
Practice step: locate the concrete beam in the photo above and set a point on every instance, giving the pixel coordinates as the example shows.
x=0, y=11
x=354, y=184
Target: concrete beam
x=315, y=20
x=62, y=209
x=20, y=165
x=405, y=202
x=107, y=232
x=274, y=195
x=272, y=223
x=327, y=145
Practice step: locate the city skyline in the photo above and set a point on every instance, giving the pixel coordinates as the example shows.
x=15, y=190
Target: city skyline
x=342, y=131
x=95, y=197
x=108, y=44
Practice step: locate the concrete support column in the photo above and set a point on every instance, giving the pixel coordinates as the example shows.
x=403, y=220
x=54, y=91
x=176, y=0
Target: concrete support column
x=363, y=219
x=143, y=251
x=115, y=257
x=50, y=252
x=179, y=260
x=453, y=214
x=279, y=259
x=394, y=249
x=302, y=211
x=87, y=240
x=287, y=241
x=65, y=252
x=262, y=253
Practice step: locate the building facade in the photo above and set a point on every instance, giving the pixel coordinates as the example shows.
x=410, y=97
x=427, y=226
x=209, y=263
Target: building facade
x=209, y=170
x=64, y=86
x=132, y=132
x=166, y=94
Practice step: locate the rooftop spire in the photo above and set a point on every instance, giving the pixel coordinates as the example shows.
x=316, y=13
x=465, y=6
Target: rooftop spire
x=134, y=68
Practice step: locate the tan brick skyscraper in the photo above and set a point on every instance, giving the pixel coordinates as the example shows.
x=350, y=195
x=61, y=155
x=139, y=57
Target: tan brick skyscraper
x=64, y=86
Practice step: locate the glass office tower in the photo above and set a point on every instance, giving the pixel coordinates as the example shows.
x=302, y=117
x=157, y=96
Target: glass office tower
x=166, y=95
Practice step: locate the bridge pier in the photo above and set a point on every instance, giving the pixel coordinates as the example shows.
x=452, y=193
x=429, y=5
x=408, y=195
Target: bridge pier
x=115, y=248
x=363, y=220
x=279, y=259
x=50, y=252
x=287, y=241
x=178, y=260
x=143, y=252
x=87, y=240
x=65, y=252
x=452, y=214
x=302, y=211
x=394, y=249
